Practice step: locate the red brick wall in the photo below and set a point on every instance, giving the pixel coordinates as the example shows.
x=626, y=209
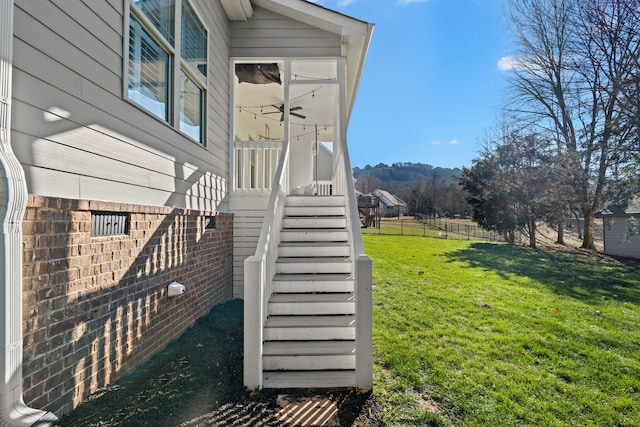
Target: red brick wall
x=95, y=308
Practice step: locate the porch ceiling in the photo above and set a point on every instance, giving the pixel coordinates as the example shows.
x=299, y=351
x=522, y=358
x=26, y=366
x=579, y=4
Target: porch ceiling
x=257, y=107
x=356, y=34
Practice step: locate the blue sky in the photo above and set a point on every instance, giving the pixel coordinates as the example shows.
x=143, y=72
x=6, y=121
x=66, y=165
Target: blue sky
x=431, y=87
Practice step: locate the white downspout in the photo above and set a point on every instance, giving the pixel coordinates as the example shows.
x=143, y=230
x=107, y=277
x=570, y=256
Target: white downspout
x=13, y=203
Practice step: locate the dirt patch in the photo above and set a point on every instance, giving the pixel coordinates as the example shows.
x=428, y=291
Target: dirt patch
x=197, y=382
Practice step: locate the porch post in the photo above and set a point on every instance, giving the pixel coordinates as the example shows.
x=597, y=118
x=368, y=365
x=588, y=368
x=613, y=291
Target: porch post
x=364, y=323
x=13, y=202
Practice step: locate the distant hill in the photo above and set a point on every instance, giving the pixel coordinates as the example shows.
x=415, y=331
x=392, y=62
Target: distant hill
x=398, y=177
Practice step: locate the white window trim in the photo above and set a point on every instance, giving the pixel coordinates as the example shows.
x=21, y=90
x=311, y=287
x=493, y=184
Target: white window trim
x=178, y=64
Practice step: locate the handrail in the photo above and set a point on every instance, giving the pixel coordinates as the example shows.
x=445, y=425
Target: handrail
x=362, y=272
x=259, y=269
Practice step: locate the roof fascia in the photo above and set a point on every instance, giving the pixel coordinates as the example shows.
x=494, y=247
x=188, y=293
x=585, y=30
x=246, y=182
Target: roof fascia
x=316, y=16
x=359, y=49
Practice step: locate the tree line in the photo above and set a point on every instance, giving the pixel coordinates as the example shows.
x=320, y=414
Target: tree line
x=569, y=142
x=424, y=188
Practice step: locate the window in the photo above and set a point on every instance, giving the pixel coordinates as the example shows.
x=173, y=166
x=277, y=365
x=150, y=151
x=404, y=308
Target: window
x=191, y=107
x=149, y=71
x=193, y=40
x=166, y=76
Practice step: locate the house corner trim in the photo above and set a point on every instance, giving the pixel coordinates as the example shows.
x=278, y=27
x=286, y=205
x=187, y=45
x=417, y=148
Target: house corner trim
x=13, y=201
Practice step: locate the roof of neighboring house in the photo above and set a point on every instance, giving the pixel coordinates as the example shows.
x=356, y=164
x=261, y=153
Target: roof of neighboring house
x=388, y=198
x=629, y=207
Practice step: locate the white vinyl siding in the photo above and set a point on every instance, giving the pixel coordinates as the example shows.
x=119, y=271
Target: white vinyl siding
x=618, y=240
x=78, y=138
x=268, y=34
x=248, y=217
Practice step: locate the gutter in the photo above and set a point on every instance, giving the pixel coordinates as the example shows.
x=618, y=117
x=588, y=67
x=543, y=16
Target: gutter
x=13, y=202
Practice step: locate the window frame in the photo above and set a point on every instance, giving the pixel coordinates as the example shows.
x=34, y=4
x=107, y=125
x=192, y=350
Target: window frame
x=177, y=66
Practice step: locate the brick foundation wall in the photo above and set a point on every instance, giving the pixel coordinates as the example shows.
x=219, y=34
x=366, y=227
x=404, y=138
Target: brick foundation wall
x=95, y=308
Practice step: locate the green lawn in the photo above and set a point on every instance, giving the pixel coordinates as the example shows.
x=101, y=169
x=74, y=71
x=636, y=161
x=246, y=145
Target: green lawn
x=480, y=334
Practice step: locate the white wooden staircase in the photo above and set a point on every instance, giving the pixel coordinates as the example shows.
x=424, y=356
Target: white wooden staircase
x=310, y=330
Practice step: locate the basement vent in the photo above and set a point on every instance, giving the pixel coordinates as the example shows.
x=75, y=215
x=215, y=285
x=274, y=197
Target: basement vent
x=209, y=222
x=109, y=224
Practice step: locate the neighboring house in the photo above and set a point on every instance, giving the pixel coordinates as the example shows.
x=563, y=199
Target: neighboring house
x=390, y=204
x=621, y=227
x=147, y=142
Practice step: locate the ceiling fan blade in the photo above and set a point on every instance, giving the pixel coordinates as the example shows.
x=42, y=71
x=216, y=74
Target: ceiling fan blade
x=281, y=111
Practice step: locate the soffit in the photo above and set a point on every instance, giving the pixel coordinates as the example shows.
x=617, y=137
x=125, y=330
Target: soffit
x=237, y=10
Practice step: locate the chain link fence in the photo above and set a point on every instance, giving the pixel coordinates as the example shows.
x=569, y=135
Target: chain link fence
x=427, y=226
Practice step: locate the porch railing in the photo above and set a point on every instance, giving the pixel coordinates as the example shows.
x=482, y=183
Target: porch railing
x=256, y=164
x=259, y=269
x=324, y=188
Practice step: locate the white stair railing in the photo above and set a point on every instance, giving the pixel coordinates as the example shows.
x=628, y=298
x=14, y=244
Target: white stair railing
x=259, y=270
x=362, y=274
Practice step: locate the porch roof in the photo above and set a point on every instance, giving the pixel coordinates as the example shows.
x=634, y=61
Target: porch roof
x=355, y=34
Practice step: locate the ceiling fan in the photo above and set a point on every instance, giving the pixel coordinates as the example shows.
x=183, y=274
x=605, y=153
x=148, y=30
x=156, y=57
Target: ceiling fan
x=280, y=109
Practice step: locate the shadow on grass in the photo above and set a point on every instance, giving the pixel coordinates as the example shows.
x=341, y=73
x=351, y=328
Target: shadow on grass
x=567, y=274
x=197, y=381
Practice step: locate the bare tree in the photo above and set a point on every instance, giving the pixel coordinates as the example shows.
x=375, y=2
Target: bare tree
x=571, y=77
x=367, y=184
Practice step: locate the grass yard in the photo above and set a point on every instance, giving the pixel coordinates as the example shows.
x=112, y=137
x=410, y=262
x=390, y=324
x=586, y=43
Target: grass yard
x=480, y=334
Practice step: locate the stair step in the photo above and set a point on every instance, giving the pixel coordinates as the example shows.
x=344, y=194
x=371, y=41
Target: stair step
x=305, y=328
x=314, y=235
x=306, y=283
x=309, y=348
x=309, y=363
x=313, y=298
x=309, y=355
x=295, y=200
x=315, y=211
x=313, y=249
x=309, y=379
x=312, y=304
x=313, y=265
x=295, y=222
